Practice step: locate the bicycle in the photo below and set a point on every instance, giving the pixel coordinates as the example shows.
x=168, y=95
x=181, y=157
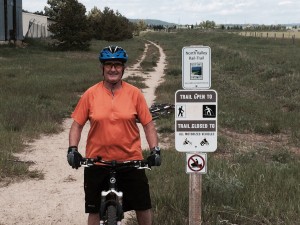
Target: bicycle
x=161, y=110
x=111, y=212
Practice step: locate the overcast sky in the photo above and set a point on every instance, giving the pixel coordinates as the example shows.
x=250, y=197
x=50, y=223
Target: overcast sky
x=195, y=11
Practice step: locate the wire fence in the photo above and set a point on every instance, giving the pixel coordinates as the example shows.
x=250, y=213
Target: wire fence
x=293, y=36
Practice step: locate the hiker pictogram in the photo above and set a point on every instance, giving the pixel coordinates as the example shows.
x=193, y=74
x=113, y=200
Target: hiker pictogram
x=181, y=111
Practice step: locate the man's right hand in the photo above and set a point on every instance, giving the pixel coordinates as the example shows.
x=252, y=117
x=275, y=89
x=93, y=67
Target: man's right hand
x=74, y=157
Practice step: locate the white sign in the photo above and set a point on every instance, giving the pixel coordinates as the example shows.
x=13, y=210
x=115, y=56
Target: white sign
x=196, y=67
x=196, y=163
x=196, y=120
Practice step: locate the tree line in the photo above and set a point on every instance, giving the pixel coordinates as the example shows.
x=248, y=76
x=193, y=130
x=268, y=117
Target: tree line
x=73, y=29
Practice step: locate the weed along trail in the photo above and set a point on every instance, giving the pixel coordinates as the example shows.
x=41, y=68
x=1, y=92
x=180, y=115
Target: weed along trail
x=58, y=198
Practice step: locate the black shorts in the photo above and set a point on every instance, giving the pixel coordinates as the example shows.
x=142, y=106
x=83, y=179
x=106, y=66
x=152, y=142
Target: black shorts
x=132, y=182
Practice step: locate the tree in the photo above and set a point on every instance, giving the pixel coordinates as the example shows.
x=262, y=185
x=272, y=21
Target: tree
x=142, y=25
x=115, y=27
x=139, y=26
x=207, y=24
x=53, y=10
x=39, y=13
x=70, y=30
x=94, y=19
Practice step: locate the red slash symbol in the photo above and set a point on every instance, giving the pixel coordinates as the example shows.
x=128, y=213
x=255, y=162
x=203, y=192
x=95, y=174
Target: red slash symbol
x=194, y=163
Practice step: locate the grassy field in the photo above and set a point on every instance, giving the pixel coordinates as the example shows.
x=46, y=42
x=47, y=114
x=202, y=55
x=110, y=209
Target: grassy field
x=257, y=80
x=253, y=177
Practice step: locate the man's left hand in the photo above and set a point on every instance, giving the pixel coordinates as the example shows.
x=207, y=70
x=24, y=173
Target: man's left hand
x=155, y=157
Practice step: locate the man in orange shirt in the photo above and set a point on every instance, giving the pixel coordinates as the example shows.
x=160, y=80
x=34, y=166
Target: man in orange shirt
x=112, y=107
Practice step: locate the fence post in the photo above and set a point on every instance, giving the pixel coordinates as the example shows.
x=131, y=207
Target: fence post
x=293, y=38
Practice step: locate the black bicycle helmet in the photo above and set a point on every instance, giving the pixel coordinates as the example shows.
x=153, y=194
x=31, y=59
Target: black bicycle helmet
x=113, y=53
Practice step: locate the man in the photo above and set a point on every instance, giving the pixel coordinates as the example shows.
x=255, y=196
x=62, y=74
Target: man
x=112, y=107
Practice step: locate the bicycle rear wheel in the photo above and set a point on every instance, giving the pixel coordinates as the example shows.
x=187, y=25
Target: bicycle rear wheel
x=111, y=215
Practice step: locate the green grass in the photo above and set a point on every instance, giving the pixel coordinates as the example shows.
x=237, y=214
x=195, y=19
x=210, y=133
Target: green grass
x=253, y=189
x=136, y=81
x=151, y=58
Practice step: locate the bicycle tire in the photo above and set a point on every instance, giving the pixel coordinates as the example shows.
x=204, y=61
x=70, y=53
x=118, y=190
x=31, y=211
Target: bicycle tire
x=111, y=215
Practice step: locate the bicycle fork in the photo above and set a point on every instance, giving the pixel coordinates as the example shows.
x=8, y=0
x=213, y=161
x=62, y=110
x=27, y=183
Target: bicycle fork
x=111, y=197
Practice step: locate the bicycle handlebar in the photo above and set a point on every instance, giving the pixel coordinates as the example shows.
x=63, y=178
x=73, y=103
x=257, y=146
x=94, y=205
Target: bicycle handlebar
x=139, y=164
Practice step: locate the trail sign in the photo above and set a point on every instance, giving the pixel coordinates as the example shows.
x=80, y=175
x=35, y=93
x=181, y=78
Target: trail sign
x=196, y=67
x=196, y=120
x=196, y=163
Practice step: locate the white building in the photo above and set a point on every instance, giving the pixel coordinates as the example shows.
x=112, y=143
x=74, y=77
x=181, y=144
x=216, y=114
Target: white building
x=35, y=26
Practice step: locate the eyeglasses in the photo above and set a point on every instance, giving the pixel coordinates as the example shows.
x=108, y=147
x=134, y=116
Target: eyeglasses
x=110, y=65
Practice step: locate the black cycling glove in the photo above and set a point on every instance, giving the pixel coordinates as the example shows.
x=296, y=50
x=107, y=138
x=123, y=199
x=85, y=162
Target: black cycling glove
x=155, y=157
x=74, y=157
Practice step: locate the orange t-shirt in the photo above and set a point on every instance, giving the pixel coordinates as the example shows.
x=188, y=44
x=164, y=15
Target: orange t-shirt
x=113, y=134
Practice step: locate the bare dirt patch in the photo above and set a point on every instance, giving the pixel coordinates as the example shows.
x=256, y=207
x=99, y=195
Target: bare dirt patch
x=254, y=141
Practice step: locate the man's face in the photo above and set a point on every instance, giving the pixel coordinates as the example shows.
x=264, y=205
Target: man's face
x=113, y=71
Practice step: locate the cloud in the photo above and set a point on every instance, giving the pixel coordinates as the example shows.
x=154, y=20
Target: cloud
x=192, y=11
x=285, y=2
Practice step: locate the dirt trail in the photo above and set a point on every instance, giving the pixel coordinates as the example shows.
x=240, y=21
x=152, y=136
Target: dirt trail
x=58, y=199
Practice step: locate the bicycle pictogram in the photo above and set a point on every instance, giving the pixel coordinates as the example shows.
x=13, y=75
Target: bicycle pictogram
x=204, y=142
x=187, y=142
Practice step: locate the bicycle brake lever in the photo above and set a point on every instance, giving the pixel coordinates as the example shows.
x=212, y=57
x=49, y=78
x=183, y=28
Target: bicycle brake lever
x=144, y=167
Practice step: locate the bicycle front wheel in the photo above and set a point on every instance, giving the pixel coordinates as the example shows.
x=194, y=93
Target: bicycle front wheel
x=111, y=215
